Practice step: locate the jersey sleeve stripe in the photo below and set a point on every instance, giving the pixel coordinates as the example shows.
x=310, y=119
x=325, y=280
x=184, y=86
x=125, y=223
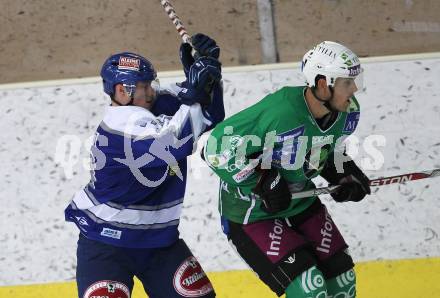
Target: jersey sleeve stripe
x=146, y=207
x=100, y=221
x=127, y=216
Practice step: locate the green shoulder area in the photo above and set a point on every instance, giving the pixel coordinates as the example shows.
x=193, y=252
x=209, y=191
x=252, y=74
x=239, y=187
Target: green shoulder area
x=286, y=100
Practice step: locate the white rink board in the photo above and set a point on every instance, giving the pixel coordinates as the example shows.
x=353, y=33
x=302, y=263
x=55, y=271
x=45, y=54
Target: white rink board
x=401, y=102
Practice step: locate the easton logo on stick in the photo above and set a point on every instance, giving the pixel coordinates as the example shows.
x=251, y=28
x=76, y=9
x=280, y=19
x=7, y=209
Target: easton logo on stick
x=375, y=182
x=391, y=180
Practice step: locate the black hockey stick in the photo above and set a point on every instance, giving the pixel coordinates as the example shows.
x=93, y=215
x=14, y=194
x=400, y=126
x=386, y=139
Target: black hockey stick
x=374, y=182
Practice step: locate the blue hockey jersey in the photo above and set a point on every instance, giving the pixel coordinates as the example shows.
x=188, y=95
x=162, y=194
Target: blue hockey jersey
x=135, y=194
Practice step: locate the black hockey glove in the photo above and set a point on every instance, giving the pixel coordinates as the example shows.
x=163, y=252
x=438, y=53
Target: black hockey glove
x=204, y=46
x=273, y=191
x=354, y=184
x=203, y=74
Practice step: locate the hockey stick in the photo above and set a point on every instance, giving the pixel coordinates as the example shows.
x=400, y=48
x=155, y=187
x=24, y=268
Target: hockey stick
x=169, y=9
x=375, y=182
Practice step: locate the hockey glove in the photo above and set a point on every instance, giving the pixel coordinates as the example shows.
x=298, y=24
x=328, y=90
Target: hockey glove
x=203, y=45
x=203, y=74
x=354, y=184
x=273, y=191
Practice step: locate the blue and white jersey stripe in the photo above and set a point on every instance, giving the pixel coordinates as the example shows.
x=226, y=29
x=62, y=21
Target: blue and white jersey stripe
x=132, y=214
x=135, y=194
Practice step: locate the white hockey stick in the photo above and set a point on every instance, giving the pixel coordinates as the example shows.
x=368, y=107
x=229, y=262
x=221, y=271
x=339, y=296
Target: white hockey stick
x=169, y=9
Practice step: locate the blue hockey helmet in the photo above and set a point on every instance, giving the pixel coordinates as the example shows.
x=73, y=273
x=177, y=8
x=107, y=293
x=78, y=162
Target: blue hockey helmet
x=126, y=68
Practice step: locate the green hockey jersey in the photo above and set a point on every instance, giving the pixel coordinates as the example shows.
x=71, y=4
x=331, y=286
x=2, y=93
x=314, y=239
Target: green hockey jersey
x=278, y=131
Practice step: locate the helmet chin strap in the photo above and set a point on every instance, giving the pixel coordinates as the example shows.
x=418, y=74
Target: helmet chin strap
x=326, y=103
x=130, y=103
x=131, y=95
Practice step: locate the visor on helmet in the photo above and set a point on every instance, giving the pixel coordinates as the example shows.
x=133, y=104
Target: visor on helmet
x=349, y=81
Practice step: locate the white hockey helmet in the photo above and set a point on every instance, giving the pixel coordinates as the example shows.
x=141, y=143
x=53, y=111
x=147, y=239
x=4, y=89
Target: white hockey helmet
x=331, y=60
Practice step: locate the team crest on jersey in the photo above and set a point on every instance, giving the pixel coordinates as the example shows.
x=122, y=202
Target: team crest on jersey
x=220, y=160
x=190, y=280
x=351, y=122
x=286, y=147
x=108, y=289
x=129, y=63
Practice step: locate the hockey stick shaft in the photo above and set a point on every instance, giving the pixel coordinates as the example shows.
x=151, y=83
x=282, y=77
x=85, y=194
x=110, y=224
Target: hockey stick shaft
x=375, y=182
x=169, y=9
x=405, y=177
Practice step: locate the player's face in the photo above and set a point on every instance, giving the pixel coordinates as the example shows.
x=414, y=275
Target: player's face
x=144, y=95
x=343, y=91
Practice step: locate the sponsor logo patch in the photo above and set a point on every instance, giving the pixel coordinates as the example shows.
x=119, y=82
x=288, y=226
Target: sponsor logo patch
x=275, y=238
x=129, y=63
x=327, y=234
x=107, y=289
x=190, y=280
x=244, y=174
x=106, y=232
x=351, y=122
x=354, y=70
